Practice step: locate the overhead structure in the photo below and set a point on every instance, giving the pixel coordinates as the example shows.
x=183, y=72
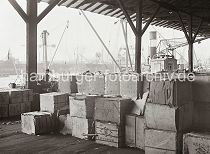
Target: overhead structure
x=190, y=16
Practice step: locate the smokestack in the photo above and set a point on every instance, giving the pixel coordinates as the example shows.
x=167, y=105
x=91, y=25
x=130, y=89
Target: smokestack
x=153, y=43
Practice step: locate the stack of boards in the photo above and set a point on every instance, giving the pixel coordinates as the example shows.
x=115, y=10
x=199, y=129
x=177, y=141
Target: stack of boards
x=13, y=102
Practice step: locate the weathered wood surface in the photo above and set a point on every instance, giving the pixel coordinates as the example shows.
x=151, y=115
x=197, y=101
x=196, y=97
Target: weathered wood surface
x=16, y=96
x=160, y=139
x=4, y=110
x=172, y=93
x=4, y=97
x=37, y=123
x=82, y=126
x=196, y=143
x=14, y=109
x=112, y=109
x=25, y=107
x=110, y=134
x=140, y=132
x=164, y=117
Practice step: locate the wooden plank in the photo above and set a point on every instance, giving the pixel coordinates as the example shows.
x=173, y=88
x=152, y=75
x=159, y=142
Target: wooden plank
x=196, y=143
x=160, y=139
x=37, y=123
x=112, y=109
x=83, y=108
x=140, y=132
x=81, y=126
x=165, y=118
x=110, y=134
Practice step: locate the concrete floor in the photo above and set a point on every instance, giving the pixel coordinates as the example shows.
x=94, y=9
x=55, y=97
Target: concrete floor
x=12, y=141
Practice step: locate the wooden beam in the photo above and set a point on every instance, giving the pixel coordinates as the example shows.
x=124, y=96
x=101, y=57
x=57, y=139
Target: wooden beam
x=122, y=6
x=47, y=10
x=197, y=30
x=190, y=52
x=150, y=20
x=18, y=8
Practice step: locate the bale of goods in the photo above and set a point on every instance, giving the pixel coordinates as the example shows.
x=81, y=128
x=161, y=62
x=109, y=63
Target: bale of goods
x=112, y=109
x=165, y=140
x=201, y=116
x=112, y=84
x=68, y=84
x=128, y=86
x=54, y=102
x=196, y=143
x=110, y=134
x=172, y=93
x=37, y=123
x=164, y=117
x=4, y=110
x=14, y=110
x=4, y=97
x=130, y=130
x=82, y=106
x=140, y=132
x=82, y=127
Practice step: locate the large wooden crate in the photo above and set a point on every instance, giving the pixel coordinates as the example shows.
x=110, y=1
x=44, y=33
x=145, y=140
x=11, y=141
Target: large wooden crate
x=54, y=102
x=196, y=143
x=4, y=110
x=110, y=134
x=140, y=132
x=14, y=110
x=112, y=84
x=81, y=127
x=172, y=93
x=16, y=96
x=149, y=150
x=25, y=107
x=201, y=116
x=83, y=106
x=37, y=123
x=128, y=86
x=4, y=97
x=164, y=117
x=166, y=140
x=27, y=95
x=112, y=109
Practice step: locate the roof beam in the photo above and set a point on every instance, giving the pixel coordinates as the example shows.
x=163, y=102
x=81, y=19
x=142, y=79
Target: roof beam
x=47, y=10
x=122, y=6
x=20, y=11
x=197, y=30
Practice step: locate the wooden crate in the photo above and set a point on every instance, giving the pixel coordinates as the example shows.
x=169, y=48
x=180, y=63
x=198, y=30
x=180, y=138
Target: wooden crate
x=37, y=123
x=4, y=110
x=82, y=126
x=166, y=140
x=110, y=134
x=164, y=117
x=54, y=102
x=172, y=93
x=196, y=143
x=16, y=96
x=4, y=97
x=112, y=84
x=97, y=85
x=112, y=109
x=128, y=86
x=140, y=132
x=83, y=107
x=27, y=95
x=14, y=110
x=149, y=150
x=201, y=116
x=130, y=130
x=25, y=107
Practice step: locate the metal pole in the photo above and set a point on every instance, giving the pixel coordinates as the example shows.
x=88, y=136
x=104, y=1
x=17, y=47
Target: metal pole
x=101, y=40
x=190, y=53
x=44, y=40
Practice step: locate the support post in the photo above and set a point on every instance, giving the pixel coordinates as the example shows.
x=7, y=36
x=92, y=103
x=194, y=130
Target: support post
x=138, y=47
x=31, y=43
x=190, y=53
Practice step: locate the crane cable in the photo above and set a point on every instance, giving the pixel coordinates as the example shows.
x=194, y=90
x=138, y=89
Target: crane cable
x=56, y=50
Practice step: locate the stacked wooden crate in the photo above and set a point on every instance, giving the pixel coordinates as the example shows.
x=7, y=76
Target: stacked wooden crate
x=82, y=115
x=110, y=120
x=91, y=84
x=67, y=84
x=168, y=115
x=112, y=84
x=4, y=104
x=26, y=103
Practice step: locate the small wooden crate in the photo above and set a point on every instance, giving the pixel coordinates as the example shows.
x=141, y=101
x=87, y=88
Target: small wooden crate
x=37, y=122
x=110, y=134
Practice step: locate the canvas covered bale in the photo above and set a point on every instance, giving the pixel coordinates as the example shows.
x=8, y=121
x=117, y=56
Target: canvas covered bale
x=67, y=84
x=112, y=84
x=164, y=117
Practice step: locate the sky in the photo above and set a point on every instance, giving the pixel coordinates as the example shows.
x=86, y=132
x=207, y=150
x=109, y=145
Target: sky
x=79, y=37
